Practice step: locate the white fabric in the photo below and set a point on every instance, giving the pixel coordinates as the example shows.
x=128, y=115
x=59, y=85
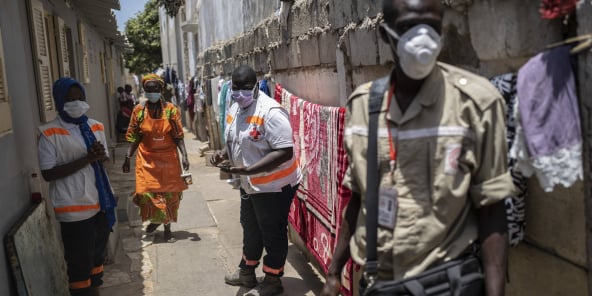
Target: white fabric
x=78, y=188
x=247, y=143
x=563, y=167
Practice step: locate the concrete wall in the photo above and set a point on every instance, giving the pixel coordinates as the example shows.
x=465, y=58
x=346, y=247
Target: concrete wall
x=222, y=20
x=19, y=147
x=329, y=47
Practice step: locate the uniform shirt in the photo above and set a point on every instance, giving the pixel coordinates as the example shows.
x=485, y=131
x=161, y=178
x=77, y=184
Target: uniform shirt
x=254, y=132
x=78, y=189
x=451, y=159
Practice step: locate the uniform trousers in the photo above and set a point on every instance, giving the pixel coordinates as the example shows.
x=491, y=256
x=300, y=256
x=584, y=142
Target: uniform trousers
x=85, y=252
x=264, y=218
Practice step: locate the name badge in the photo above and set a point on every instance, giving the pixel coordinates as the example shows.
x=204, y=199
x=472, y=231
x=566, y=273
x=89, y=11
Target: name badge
x=387, y=207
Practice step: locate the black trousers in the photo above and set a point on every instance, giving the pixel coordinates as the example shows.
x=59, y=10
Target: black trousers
x=264, y=218
x=85, y=251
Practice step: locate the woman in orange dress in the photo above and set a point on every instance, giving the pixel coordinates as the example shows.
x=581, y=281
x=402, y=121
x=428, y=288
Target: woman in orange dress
x=155, y=130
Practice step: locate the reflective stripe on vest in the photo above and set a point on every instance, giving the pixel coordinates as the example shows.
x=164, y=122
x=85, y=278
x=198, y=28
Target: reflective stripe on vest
x=97, y=127
x=276, y=175
x=52, y=131
x=79, y=208
x=255, y=120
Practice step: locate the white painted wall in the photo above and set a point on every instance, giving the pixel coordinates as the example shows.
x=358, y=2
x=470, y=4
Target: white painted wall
x=223, y=20
x=18, y=148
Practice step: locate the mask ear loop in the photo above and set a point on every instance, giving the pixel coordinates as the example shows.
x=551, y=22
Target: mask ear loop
x=256, y=90
x=390, y=31
x=391, y=34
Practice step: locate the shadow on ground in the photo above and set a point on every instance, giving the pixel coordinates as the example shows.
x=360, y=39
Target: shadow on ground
x=178, y=235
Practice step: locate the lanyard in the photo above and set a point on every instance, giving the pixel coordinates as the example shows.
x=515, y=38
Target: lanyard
x=393, y=151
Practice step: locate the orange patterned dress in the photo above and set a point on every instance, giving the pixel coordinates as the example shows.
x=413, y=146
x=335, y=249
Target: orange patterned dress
x=159, y=186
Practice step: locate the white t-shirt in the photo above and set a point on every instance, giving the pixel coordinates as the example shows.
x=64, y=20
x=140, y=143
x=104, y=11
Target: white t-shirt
x=80, y=187
x=254, y=132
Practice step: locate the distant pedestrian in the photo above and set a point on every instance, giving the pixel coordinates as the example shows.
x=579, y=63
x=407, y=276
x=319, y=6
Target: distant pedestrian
x=259, y=148
x=126, y=105
x=72, y=149
x=128, y=94
x=155, y=130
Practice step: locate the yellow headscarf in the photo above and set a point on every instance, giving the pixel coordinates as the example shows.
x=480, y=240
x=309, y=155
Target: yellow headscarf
x=152, y=77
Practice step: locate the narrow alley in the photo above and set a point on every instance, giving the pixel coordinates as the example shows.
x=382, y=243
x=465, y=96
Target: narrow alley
x=404, y=146
x=208, y=246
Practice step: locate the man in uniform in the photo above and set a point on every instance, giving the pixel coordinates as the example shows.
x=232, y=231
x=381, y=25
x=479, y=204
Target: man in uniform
x=442, y=154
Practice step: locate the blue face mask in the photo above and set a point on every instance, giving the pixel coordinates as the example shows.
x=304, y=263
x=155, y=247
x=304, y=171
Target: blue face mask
x=153, y=97
x=244, y=98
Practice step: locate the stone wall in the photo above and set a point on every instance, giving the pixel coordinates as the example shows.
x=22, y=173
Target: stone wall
x=329, y=47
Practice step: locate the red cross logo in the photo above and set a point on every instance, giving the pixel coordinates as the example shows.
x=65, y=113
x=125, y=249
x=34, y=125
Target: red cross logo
x=254, y=133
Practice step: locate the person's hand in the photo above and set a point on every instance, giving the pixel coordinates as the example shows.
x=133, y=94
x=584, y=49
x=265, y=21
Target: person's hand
x=217, y=157
x=235, y=170
x=126, y=165
x=96, y=152
x=185, y=163
x=332, y=286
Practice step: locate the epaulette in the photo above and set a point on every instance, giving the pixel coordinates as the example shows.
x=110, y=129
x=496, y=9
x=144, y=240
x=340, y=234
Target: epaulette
x=476, y=87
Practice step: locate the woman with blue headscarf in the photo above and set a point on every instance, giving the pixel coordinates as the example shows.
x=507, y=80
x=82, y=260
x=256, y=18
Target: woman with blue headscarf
x=72, y=149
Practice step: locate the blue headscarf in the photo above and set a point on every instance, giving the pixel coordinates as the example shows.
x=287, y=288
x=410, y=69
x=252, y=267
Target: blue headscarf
x=106, y=197
x=60, y=91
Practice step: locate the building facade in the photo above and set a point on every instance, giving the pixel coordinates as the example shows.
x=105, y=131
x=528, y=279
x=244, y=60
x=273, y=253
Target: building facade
x=41, y=41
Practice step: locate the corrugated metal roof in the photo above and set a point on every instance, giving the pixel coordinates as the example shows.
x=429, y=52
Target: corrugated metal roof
x=100, y=15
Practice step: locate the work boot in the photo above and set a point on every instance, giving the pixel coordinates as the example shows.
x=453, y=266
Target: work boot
x=271, y=285
x=242, y=277
x=168, y=234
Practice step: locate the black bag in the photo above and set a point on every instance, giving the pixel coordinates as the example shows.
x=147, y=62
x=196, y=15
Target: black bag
x=460, y=277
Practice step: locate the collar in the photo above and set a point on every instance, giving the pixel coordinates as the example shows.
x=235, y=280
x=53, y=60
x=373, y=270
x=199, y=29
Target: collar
x=430, y=92
x=67, y=125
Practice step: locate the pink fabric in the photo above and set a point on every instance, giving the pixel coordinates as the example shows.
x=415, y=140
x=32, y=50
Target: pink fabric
x=277, y=94
x=296, y=216
x=316, y=213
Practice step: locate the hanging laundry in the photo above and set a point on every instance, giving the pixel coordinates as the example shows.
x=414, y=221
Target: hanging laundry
x=167, y=75
x=515, y=205
x=316, y=213
x=278, y=96
x=173, y=76
x=264, y=87
x=548, y=136
x=552, y=9
x=224, y=106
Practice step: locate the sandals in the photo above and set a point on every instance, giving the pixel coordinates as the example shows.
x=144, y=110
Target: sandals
x=152, y=227
x=168, y=235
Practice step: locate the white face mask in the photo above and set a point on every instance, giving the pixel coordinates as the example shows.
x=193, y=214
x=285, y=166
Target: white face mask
x=153, y=97
x=418, y=49
x=76, y=109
